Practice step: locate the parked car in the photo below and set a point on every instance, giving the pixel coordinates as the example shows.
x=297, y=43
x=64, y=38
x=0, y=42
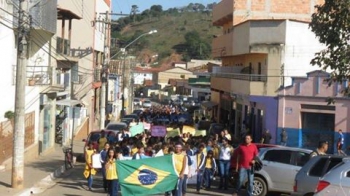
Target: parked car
x=137, y=102
x=137, y=112
x=147, y=104
x=280, y=166
x=336, y=182
x=116, y=127
x=94, y=136
x=133, y=116
x=307, y=178
x=126, y=120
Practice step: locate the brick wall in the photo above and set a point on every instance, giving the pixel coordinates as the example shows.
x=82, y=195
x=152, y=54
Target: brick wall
x=274, y=9
x=6, y=136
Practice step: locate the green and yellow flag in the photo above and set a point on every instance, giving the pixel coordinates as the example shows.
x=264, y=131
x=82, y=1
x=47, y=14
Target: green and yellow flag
x=147, y=176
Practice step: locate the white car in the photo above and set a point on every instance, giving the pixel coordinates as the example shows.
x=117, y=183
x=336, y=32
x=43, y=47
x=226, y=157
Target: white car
x=336, y=182
x=137, y=102
x=147, y=104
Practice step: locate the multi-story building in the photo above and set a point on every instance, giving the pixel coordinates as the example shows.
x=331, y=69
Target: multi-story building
x=87, y=45
x=307, y=116
x=263, y=44
x=41, y=89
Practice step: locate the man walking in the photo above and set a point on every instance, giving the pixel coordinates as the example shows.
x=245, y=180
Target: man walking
x=245, y=162
x=340, y=143
x=284, y=137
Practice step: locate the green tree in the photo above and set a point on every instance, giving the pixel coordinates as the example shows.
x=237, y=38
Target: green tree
x=331, y=24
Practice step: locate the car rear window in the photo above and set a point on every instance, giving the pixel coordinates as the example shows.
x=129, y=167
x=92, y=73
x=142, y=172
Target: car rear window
x=115, y=127
x=317, y=169
x=333, y=163
x=301, y=158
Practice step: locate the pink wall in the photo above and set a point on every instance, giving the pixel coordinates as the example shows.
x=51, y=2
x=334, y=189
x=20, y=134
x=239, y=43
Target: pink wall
x=291, y=98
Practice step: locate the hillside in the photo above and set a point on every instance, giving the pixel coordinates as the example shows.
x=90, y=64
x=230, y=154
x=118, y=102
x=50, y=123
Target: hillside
x=170, y=40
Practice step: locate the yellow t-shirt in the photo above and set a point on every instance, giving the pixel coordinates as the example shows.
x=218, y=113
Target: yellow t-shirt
x=199, y=160
x=179, y=158
x=101, y=143
x=111, y=170
x=133, y=151
x=208, y=164
x=216, y=153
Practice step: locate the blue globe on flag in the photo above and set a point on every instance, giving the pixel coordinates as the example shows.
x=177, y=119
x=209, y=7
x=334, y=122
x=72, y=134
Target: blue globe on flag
x=147, y=177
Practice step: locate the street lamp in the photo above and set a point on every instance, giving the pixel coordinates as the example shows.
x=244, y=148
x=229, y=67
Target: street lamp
x=124, y=51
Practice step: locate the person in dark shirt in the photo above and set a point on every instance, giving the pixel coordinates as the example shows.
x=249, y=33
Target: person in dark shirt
x=266, y=137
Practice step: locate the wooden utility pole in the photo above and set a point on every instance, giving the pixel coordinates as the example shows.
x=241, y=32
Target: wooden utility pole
x=20, y=94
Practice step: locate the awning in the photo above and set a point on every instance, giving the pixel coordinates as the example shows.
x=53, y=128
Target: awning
x=68, y=102
x=208, y=104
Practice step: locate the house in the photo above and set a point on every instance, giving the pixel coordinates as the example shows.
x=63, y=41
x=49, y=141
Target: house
x=260, y=54
x=85, y=56
x=40, y=85
x=307, y=116
x=173, y=73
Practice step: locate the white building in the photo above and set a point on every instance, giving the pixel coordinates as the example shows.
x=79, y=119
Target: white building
x=140, y=77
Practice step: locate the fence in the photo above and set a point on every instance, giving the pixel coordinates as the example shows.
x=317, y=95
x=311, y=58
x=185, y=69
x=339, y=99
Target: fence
x=6, y=135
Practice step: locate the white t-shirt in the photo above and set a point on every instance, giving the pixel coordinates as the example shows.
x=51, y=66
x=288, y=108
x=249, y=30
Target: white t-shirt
x=225, y=153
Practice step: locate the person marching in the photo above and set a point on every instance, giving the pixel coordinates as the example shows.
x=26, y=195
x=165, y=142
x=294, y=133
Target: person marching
x=245, y=162
x=209, y=167
x=111, y=173
x=103, y=158
x=89, y=171
x=181, y=162
x=224, y=160
x=200, y=157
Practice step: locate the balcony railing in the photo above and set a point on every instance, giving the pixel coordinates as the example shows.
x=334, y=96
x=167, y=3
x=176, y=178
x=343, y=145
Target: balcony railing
x=248, y=77
x=39, y=75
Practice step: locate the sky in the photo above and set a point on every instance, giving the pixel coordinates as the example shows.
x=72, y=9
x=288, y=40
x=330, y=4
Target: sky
x=125, y=5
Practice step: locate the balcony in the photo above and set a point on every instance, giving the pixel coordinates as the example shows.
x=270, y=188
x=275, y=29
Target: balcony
x=246, y=84
x=223, y=45
x=64, y=52
x=223, y=12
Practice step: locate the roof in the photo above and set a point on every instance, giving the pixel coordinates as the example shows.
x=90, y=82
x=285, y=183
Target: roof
x=176, y=82
x=173, y=68
x=147, y=70
x=66, y=14
x=274, y=20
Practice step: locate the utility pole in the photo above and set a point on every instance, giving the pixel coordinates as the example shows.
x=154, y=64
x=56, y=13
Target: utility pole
x=104, y=74
x=123, y=86
x=105, y=66
x=18, y=135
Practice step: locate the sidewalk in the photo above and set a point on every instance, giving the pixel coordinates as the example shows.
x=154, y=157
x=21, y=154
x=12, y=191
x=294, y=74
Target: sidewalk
x=39, y=174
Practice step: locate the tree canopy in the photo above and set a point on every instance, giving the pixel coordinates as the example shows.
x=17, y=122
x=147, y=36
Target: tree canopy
x=331, y=24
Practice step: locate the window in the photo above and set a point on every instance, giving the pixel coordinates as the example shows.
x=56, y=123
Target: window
x=317, y=85
x=280, y=156
x=348, y=174
x=333, y=163
x=317, y=169
x=301, y=158
x=75, y=73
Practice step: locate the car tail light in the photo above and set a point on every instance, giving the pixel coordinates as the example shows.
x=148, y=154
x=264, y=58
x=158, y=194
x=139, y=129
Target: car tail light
x=295, y=187
x=321, y=185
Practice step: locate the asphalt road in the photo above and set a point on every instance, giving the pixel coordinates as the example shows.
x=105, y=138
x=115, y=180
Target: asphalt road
x=74, y=184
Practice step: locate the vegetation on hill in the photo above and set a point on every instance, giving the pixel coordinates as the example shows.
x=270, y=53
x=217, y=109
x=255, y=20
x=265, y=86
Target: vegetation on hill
x=186, y=32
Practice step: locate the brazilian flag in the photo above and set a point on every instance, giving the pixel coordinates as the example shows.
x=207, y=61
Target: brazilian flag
x=147, y=176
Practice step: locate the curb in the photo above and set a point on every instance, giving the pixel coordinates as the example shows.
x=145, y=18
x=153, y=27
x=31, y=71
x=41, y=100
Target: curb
x=45, y=183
